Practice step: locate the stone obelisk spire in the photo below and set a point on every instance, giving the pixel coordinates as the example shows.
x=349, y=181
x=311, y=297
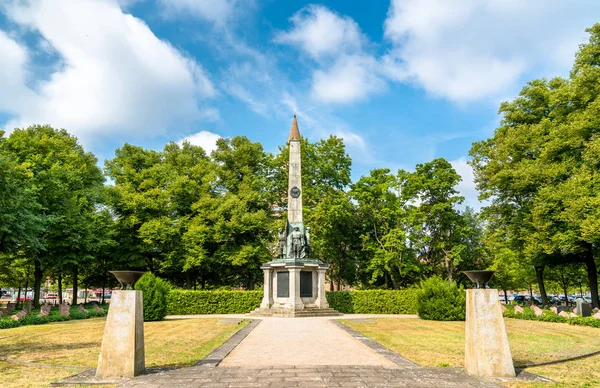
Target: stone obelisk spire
x=295, y=176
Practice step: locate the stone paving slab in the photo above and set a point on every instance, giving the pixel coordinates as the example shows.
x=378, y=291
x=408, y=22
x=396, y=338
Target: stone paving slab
x=311, y=376
x=309, y=341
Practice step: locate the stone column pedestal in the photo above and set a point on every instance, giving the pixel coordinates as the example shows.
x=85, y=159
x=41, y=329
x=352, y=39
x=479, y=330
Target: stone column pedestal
x=321, y=301
x=295, y=288
x=122, y=351
x=487, y=351
x=267, y=300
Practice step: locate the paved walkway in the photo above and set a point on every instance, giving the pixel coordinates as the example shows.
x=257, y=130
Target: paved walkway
x=306, y=352
x=301, y=341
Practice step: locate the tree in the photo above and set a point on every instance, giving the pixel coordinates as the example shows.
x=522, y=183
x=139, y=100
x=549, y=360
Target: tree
x=336, y=237
x=21, y=221
x=437, y=225
x=66, y=179
x=386, y=234
x=540, y=169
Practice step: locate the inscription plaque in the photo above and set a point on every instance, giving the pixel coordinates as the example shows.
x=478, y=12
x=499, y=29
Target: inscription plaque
x=306, y=284
x=283, y=284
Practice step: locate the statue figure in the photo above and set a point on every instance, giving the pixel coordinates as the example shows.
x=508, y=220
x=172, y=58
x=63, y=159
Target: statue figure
x=307, y=242
x=282, y=235
x=297, y=243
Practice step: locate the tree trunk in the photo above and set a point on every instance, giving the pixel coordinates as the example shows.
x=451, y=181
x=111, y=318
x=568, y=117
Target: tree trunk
x=37, y=282
x=449, y=269
x=592, y=272
x=530, y=295
x=330, y=285
x=103, y=286
x=75, y=276
x=539, y=274
x=505, y=297
x=60, y=298
x=19, y=295
x=566, y=297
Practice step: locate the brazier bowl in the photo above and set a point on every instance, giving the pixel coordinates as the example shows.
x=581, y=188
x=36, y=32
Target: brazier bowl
x=128, y=278
x=480, y=278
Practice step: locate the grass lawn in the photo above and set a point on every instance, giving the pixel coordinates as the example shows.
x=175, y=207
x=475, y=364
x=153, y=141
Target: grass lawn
x=432, y=343
x=77, y=343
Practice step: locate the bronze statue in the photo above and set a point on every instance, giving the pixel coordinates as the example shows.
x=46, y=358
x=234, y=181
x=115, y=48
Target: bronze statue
x=297, y=243
x=282, y=243
x=307, y=242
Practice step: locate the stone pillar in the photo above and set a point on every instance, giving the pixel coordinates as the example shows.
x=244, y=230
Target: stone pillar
x=122, y=350
x=267, y=300
x=321, y=301
x=295, y=288
x=487, y=351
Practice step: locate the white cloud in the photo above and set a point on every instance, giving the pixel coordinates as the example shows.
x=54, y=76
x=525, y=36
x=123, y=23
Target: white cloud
x=321, y=32
x=115, y=76
x=206, y=140
x=216, y=11
x=350, y=79
x=466, y=187
x=345, y=72
x=468, y=49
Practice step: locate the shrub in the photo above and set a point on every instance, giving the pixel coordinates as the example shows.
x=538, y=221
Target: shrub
x=156, y=295
x=185, y=302
x=439, y=300
x=373, y=301
x=549, y=316
x=34, y=319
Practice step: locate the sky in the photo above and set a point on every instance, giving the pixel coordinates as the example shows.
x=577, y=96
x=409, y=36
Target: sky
x=401, y=81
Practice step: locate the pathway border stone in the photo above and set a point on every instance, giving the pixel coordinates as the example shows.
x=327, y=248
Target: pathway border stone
x=216, y=356
x=376, y=346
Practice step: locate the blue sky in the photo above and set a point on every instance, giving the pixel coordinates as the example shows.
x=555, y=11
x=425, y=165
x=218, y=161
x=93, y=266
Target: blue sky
x=402, y=81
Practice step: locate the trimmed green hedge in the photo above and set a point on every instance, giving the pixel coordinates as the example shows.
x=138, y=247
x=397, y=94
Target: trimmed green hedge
x=374, y=301
x=34, y=319
x=187, y=302
x=549, y=316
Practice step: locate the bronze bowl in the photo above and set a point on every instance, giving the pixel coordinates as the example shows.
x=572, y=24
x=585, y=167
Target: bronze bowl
x=479, y=277
x=128, y=278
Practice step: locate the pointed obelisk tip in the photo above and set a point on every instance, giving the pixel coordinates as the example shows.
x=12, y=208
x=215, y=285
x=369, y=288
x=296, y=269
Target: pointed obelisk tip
x=294, y=131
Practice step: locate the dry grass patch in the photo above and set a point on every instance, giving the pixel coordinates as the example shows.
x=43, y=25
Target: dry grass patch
x=77, y=343
x=431, y=343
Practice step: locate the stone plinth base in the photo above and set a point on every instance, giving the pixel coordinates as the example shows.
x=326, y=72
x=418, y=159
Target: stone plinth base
x=122, y=351
x=307, y=311
x=487, y=352
x=294, y=288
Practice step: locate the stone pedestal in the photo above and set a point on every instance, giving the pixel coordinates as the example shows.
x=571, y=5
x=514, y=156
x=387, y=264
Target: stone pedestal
x=487, y=352
x=122, y=351
x=294, y=288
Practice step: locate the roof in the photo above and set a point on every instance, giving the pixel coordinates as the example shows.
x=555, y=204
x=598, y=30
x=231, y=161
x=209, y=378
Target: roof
x=294, y=131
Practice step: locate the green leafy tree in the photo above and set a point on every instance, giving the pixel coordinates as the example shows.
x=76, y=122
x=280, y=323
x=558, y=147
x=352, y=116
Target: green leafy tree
x=66, y=179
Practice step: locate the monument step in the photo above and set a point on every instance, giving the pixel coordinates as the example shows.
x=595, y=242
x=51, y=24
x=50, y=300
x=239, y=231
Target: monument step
x=289, y=313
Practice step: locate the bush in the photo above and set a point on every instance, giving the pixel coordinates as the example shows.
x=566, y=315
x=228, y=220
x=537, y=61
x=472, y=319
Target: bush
x=549, y=316
x=34, y=319
x=438, y=300
x=186, y=302
x=156, y=296
x=373, y=301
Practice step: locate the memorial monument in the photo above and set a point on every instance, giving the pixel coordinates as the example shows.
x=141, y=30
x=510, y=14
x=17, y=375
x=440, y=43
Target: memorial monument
x=294, y=281
x=487, y=351
x=122, y=352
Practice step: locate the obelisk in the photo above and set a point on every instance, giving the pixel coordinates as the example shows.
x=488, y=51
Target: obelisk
x=295, y=176
x=294, y=281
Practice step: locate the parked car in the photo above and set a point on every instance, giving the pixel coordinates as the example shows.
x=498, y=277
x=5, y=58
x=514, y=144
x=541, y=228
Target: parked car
x=51, y=295
x=22, y=299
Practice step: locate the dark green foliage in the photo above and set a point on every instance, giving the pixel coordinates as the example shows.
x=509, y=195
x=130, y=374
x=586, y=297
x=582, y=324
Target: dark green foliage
x=549, y=316
x=34, y=319
x=156, y=293
x=374, y=301
x=439, y=300
x=185, y=302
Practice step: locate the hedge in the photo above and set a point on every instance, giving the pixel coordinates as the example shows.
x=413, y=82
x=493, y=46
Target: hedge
x=34, y=319
x=187, y=302
x=374, y=301
x=549, y=316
